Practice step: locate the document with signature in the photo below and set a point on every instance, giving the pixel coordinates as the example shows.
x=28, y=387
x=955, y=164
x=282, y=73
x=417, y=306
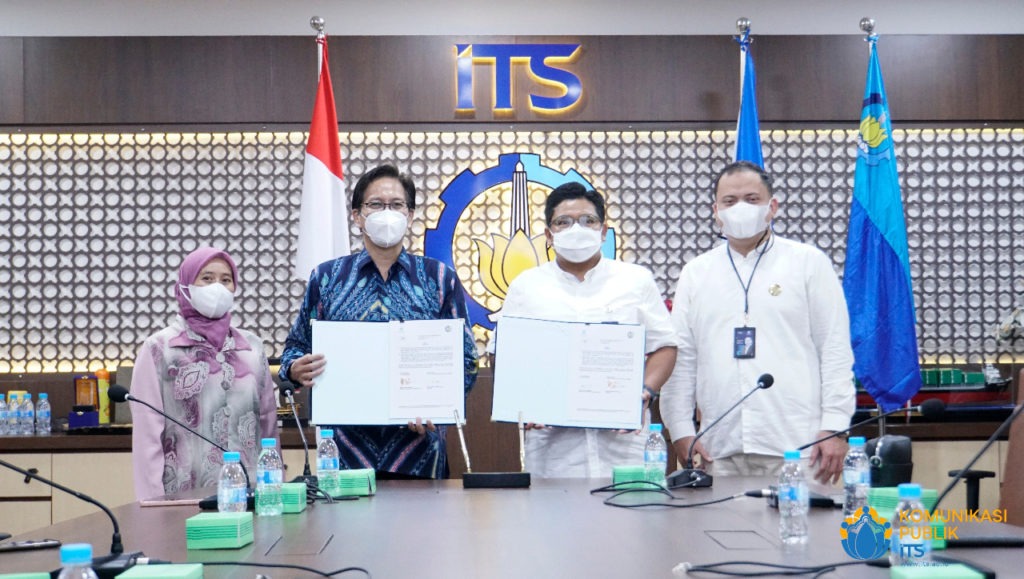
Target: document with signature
x=569, y=373
x=388, y=372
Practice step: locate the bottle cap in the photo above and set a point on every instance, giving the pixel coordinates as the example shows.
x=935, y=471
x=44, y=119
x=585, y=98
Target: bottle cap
x=909, y=491
x=856, y=441
x=76, y=554
x=26, y=396
x=232, y=457
x=655, y=428
x=268, y=443
x=791, y=455
x=43, y=396
x=326, y=433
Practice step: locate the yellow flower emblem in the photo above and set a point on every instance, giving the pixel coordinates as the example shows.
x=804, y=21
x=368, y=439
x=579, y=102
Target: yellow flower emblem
x=872, y=132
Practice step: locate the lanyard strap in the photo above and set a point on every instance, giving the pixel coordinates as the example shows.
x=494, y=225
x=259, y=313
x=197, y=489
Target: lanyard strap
x=746, y=286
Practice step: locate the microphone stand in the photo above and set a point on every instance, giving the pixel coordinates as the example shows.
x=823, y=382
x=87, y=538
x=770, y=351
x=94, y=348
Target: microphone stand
x=116, y=547
x=209, y=502
x=307, y=475
x=930, y=408
x=690, y=477
x=988, y=444
x=117, y=561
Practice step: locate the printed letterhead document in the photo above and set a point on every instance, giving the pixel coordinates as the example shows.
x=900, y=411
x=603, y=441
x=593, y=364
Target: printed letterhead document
x=569, y=373
x=389, y=372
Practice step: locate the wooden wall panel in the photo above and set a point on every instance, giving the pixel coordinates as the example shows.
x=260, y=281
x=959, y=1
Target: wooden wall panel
x=11, y=81
x=411, y=79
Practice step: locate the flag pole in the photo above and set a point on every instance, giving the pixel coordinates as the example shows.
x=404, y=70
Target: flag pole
x=743, y=28
x=867, y=25
x=317, y=23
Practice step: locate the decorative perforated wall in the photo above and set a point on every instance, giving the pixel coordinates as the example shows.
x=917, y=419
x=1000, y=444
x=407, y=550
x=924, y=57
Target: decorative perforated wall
x=93, y=226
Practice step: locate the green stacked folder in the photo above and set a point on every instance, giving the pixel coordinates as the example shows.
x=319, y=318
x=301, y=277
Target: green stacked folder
x=953, y=571
x=218, y=530
x=630, y=477
x=183, y=571
x=293, y=496
x=357, y=482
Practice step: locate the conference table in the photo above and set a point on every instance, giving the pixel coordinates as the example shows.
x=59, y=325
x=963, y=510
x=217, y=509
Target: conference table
x=556, y=528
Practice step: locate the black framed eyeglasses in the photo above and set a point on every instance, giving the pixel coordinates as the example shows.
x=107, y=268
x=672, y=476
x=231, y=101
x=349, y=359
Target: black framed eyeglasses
x=375, y=206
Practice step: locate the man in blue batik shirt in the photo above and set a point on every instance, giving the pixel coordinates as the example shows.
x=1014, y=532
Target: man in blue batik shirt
x=381, y=283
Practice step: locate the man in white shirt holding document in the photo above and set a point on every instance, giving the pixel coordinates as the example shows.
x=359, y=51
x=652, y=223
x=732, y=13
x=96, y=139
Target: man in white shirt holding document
x=582, y=286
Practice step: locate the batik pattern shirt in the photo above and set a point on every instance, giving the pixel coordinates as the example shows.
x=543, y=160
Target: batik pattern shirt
x=351, y=288
x=226, y=395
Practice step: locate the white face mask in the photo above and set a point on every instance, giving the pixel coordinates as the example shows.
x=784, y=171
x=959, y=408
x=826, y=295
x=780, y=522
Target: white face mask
x=577, y=244
x=386, y=228
x=212, y=301
x=743, y=220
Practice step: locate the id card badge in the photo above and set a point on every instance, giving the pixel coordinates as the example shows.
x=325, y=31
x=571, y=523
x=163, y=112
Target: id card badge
x=744, y=342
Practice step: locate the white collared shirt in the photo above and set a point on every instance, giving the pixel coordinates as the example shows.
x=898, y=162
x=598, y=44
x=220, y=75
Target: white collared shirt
x=612, y=291
x=797, y=307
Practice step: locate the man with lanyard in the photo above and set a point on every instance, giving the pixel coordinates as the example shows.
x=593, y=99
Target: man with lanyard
x=759, y=304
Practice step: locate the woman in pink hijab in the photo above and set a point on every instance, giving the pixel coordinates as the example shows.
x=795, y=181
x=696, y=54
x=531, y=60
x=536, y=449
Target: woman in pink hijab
x=207, y=374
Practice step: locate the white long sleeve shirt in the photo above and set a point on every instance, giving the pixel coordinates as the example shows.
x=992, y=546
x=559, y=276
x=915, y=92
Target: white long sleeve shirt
x=613, y=291
x=802, y=327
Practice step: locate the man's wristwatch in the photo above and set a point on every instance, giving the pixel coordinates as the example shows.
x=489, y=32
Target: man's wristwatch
x=652, y=392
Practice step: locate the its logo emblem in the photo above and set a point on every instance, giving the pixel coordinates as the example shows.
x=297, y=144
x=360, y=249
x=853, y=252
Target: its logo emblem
x=865, y=535
x=497, y=216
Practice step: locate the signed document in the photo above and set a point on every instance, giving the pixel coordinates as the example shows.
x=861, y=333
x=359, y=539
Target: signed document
x=388, y=373
x=569, y=373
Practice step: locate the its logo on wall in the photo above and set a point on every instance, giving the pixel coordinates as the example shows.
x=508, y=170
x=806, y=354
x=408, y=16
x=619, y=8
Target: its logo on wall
x=491, y=228
x=502, y=58
x=865, y=535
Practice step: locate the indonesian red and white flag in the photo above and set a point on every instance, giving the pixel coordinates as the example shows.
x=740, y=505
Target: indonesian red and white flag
x=323, y=216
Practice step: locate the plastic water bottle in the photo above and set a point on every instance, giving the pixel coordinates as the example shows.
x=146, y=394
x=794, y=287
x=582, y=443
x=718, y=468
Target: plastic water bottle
x=655, y=456
x=856, y=477
x=231, y=489
x=28, y=415
x=269, y=477
x=910, y=542
x=76, y=561
x=14, y=416
x=328, y=464
x=794, y=501
x=44, y=425
x=3, y=416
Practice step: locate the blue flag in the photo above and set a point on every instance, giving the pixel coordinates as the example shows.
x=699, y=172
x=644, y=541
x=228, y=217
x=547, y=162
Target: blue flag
x=748, y=129
x=877, y=281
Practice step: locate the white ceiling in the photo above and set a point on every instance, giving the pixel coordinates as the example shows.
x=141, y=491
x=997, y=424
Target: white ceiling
x=512, y=17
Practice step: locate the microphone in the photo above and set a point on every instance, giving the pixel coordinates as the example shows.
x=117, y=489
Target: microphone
x=932, y=409
x=695, y=477
x=117, y=561
x=307, y=475
x=118, y=393
x=988, y=444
